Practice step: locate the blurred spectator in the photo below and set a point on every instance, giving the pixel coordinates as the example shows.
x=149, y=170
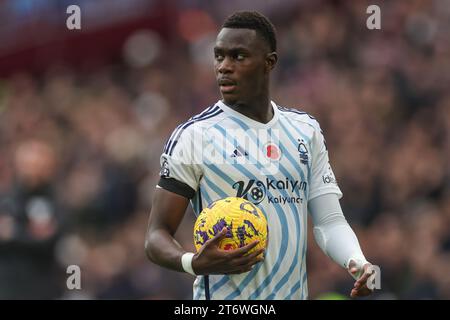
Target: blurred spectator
x=30, y=220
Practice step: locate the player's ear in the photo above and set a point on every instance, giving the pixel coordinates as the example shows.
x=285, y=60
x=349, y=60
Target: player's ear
x=271, y=61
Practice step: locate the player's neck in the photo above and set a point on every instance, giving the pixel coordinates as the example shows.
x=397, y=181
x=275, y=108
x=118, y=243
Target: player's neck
x=260, y=110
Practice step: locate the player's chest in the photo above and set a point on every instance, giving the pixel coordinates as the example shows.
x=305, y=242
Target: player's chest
x=244, y=165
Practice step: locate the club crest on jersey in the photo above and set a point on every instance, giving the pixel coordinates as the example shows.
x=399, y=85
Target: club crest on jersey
x=303, y=152
x=272, y=151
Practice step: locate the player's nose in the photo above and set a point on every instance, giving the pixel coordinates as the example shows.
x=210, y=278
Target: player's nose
x=225, y=66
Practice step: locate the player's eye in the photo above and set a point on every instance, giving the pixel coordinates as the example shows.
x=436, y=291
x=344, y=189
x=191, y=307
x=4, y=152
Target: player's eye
x=218, y=57
x=240, y=57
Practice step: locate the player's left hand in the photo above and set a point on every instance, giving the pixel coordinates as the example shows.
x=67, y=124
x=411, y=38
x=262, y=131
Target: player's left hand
x=360, y=288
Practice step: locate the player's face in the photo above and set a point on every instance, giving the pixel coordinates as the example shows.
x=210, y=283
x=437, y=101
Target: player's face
x=241, y=65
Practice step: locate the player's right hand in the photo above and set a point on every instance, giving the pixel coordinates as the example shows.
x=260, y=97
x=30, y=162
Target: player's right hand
x=210, y=259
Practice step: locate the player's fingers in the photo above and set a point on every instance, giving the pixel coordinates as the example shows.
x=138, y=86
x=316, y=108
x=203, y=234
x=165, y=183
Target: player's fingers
x=251, y=255
x=359, y=284
x=245, y=264
x=361, y=292
x=249, y=258
x=252, y=263
x=219, y=236
x=242, y=251
x=246, y=270
x=363, y=279
x=356, y=293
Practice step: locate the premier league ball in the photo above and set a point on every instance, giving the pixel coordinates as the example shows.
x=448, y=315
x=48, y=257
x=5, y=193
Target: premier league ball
x=244, y=221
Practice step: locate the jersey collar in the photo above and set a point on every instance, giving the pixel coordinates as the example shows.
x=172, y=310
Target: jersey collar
x=250, y=122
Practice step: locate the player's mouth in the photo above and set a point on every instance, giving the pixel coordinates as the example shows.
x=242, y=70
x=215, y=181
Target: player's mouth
x=227, y=85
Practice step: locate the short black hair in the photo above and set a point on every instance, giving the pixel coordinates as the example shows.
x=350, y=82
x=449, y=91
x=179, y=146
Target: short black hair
x=255, y=21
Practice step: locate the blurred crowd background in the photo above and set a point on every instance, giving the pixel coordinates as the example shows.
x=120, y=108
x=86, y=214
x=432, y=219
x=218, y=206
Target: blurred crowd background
x=84, y=115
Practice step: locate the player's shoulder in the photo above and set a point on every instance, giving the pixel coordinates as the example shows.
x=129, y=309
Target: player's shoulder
x=299, y=116
x=187, y=130
x=203, y=119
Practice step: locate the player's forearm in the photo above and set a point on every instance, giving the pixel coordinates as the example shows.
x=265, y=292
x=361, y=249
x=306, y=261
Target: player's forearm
x=340, y=243
x=332, y=232
x=162, y=249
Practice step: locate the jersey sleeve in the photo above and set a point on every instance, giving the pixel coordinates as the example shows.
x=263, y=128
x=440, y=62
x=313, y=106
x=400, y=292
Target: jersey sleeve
x=323, y=180
x=180, y=171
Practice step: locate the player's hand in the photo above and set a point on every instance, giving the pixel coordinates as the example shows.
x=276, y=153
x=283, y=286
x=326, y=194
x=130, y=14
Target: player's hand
x=210, y=259
x=360, y=288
